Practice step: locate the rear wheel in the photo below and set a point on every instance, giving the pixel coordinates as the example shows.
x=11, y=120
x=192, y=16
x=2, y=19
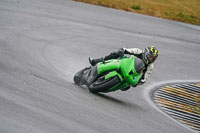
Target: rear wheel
x=102, y=84
x=78, y=77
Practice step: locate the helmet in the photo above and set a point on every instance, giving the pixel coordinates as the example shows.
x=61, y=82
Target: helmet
x=150, y=54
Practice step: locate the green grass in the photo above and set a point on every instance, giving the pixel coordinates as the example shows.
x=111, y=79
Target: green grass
x=180, y=10
x=136, y=7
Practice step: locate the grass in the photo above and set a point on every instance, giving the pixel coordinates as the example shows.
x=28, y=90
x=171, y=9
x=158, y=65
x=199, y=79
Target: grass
x=135, y=7
x=187, y=11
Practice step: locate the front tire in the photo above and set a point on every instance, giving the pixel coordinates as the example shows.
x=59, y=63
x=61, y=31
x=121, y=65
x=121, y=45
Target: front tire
x=102, y=84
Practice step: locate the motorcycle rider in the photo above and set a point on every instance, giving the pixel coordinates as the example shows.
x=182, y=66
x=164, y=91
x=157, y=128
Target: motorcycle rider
x=148, y=55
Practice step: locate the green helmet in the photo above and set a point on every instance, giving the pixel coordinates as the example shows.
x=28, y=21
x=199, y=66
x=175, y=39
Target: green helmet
x=150, y=54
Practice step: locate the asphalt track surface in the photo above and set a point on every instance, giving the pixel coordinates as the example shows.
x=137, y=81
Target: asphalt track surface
x=43, y=43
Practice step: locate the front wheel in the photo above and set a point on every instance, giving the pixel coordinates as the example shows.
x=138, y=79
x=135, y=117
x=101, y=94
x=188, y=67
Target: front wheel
x=102, y=84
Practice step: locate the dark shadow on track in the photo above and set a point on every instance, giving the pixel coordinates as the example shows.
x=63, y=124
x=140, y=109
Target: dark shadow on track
x=119, y=102
x=103, y=96
x=110, y=98
x=113, y=99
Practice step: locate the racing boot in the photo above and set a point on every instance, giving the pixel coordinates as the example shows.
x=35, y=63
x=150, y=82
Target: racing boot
x=113, y=55
x=93, y=62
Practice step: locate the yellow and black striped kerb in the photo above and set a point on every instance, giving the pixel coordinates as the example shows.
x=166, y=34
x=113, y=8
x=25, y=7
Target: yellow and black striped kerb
x=181, y=102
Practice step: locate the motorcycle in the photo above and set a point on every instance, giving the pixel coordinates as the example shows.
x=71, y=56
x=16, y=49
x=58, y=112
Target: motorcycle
x=111, y=75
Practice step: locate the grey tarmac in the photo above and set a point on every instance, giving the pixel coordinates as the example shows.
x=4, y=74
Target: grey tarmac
x=43, y=43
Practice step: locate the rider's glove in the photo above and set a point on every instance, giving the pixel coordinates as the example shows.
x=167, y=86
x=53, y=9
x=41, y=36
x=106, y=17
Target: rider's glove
x=103, y=61
x=141, y=82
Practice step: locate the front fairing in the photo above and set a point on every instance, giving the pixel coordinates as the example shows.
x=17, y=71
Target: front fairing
x=123, y=68
x=129, y=72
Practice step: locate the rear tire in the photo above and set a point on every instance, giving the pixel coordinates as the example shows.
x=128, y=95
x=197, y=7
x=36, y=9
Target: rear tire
x=102, y=84
x=78, y=77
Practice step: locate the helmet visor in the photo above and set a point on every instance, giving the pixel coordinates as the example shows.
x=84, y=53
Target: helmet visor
x=150, y=57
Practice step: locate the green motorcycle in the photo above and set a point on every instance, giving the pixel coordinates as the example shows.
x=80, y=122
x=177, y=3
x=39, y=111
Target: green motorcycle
x=111, y=75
